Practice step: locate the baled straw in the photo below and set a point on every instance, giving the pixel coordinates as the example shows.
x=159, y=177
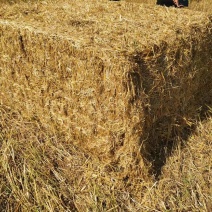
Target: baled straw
x=115, y=78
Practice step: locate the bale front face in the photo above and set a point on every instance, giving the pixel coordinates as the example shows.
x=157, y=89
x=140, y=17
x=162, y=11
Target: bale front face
x=117, y=79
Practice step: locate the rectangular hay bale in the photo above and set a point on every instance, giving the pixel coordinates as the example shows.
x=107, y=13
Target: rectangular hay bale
x=115, y=78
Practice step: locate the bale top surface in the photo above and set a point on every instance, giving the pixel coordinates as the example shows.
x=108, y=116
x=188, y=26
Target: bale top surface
x=116, y=26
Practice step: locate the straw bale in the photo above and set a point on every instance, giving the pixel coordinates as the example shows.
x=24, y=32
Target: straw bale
x=115, y=78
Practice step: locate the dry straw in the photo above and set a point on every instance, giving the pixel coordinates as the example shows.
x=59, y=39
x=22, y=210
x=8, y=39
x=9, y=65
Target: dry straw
x=119, y=80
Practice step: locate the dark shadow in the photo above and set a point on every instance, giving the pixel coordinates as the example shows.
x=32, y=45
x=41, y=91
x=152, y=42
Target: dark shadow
x=175, y=102
x=170, y=3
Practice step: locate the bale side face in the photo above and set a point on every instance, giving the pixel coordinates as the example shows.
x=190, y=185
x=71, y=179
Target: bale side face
x=69, y=91
x=120, y=81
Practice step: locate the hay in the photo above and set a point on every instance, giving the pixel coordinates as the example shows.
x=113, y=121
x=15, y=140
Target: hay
x=119, y=80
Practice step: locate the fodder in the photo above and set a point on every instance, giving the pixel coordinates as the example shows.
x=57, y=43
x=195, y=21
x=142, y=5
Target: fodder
x=117, y=80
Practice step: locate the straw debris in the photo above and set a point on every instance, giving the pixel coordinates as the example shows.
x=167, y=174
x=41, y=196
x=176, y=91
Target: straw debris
x=118, y=80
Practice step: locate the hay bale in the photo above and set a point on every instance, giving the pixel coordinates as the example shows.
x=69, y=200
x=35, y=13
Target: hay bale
x=117, y=79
